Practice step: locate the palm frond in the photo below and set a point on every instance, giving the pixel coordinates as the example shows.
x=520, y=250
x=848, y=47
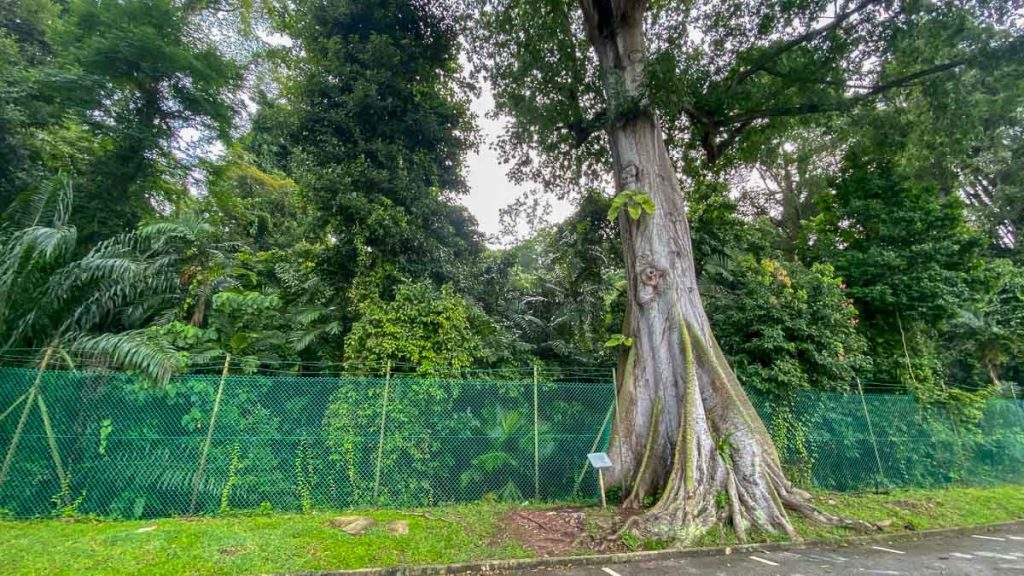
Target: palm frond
x=133, y=351
x=50, y=204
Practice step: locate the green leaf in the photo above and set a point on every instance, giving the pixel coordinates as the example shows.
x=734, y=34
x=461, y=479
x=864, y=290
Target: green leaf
x=617, y=203
x=618, y=340
x=634, y=211
x=645, y=203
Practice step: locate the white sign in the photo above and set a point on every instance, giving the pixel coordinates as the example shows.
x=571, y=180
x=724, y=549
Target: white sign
x=599, y=460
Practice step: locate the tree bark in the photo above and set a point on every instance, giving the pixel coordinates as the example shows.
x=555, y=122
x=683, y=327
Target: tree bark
x=688, y=434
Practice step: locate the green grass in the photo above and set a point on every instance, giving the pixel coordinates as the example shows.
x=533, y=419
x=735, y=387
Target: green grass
x=921, y=509
x=904, y=510
x=248, y=544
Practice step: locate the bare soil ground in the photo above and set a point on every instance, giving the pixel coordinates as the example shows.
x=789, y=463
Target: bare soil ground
x=548, y=532
x=563, y=531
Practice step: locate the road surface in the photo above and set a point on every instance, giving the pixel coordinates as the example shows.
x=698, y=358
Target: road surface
x=999, y=552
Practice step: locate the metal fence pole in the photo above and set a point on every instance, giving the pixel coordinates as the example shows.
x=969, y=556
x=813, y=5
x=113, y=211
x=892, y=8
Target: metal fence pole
x=536, y=440
x=871, y=432
x=1013, y=396
x=380, y=438
x=209, y=437
x=24, y=416
x=956, y=431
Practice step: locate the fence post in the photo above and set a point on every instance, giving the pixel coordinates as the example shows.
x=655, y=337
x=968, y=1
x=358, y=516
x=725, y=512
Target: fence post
x=209, y=437
x=871, y=432
x=24, y=415
x=380, y=438
x=536, y=440
x=956, y=432
x=1013, y=396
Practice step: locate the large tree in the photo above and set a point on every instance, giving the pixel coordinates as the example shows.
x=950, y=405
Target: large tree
x=377, y=127
x=690, y=82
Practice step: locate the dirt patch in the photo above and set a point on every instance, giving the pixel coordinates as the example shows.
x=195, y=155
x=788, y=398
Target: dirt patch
x=910, y=505
x=352, y=525
x=547, y=532
x=398, y=527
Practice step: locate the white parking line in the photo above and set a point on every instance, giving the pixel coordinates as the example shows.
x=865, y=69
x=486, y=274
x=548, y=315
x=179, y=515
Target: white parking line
x=888, y=550
x=1016, y=537
x=994, y=555
x=763, y=561
x=609, y=571
x=988, y=538
x=893, y=572
x=959, y=555
x=1011, y=566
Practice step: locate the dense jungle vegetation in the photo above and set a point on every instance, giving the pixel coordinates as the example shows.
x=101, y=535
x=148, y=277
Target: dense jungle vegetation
x=279, y=183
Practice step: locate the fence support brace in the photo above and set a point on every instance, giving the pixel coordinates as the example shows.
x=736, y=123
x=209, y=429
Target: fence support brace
x=51, y=439
x=13, y=406
x=209, y=437
x=618, y=420
x=24, y=415
x=593, y=448
x=380, y=440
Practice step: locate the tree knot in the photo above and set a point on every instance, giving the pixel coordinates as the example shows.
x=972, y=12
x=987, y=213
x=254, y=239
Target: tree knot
x=650, y=278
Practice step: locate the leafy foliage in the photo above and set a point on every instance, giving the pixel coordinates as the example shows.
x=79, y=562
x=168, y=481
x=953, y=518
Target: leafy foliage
x=96, y=303
x=785, y=327
x=635, y=203
x=431, y=329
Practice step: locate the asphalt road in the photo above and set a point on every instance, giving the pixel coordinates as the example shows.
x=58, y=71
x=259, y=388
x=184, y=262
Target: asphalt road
x=977, y=554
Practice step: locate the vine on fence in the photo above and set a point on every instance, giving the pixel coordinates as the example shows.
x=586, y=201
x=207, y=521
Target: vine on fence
x=291, y=442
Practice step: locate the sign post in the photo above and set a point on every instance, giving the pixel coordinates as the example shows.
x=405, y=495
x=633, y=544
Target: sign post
x=600, y=461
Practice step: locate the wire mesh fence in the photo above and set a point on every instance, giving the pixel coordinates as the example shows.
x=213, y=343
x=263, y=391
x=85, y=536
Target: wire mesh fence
x=106, y=443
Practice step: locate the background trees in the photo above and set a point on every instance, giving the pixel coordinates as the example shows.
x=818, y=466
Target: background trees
x=850, y=176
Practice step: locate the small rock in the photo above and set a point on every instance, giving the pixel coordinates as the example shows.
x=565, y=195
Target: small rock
x=146, y=529
x=353, y=525
x=398, y=527
x=358, y=527
x=831, y=502
x=341, y=521
x=884, y=523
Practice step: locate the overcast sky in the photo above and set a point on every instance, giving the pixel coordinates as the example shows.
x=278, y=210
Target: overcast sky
x=490, y=189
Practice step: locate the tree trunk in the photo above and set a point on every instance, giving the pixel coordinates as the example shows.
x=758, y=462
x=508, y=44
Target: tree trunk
x=689, y=435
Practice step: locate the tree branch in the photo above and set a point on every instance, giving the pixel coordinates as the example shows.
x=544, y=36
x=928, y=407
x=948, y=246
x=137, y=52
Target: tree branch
x=842, y=103
x=729, y=140
x=770, y=56
x=581, y=130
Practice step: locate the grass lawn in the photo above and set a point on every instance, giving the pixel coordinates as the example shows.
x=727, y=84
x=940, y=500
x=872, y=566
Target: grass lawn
x=247, y=544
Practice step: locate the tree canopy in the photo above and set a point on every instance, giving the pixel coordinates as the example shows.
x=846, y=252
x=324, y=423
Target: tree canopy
x=780, y=196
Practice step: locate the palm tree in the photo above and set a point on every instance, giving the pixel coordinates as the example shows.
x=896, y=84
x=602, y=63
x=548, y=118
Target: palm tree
x=505, y=463
x=58, y=299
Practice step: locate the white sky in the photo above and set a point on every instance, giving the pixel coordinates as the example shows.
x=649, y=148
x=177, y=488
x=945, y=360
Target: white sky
x=489, y=188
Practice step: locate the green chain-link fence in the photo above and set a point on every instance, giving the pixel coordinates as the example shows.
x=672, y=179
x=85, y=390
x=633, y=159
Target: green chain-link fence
x=105, y=443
